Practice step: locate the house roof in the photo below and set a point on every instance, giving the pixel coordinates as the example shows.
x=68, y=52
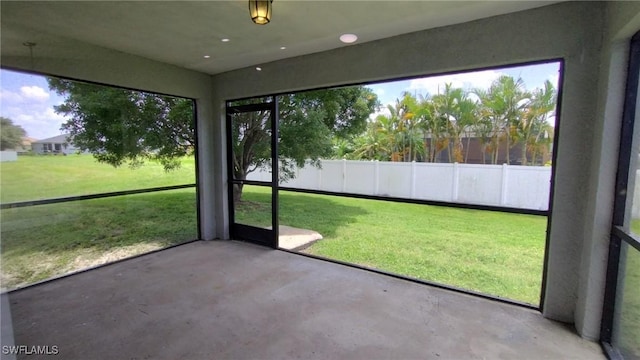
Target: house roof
x=60, y=139
x=26, y=141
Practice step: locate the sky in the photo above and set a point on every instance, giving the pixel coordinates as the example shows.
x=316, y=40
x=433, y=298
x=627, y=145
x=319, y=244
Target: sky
x=533, y=77
x=27, y=100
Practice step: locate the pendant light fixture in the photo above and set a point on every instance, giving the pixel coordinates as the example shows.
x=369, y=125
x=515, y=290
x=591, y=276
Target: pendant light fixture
x=260, y=11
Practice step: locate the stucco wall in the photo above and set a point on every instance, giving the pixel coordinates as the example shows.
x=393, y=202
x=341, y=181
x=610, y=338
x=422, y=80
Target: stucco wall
x=622, y=20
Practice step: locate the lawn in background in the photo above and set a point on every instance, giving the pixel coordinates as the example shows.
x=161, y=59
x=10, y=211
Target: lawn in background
x=494, y=253
x=627, y=333
x=39, y=242
x=490, y=252
x=628, y=307
x=49, y=176
x=43, y=241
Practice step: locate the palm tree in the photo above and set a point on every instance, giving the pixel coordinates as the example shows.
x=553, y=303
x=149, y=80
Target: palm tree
x=386, y=126
x=502, y=105
x=373, y=144
x=458, y=110
x=401, y=130
x=533, y=128
x=433, y=125
x=343, y=148
x=411, y=129
x=471, y=118
x=542, y=143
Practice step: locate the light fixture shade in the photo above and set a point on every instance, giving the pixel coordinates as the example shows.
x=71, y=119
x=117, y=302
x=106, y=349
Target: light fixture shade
x=260, y=11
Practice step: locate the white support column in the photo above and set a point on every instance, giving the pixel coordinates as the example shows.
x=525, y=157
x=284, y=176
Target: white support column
x=214, y=202
x=211, y=170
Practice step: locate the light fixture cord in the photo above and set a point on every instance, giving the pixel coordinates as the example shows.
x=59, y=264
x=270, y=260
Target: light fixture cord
x=30, y=45
x=31, y=56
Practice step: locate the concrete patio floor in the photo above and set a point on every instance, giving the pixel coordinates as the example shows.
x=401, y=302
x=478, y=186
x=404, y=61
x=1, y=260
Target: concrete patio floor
x=233, y=300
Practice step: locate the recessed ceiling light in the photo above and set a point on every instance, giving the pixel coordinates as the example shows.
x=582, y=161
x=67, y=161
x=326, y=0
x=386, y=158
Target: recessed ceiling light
x=348, y=38
x=207, y=56
x=258, y=68
x=225, y=40
x=283, y=47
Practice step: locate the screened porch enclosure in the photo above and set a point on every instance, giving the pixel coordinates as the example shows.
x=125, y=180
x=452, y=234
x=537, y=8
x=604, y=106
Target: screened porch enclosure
x=217, y=297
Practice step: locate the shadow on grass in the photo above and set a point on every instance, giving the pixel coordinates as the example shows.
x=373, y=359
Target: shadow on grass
x=313, y=212
x=48, y=240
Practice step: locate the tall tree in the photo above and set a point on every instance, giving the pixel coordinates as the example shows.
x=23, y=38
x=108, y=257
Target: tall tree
x=502, y=106
x=483, y=129
x=373, y=144
x=310, y=123
x=434, y=124
x=412, y=131
x=455, y=106
x=121, y=126
x=10, y=134
x=533, y=128
x=399, y=131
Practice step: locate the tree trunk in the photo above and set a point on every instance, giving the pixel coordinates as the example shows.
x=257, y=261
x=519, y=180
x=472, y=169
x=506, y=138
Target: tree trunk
x=466, y=151
x=507, y=147
x=523, y=158
x=237, y=193
x=432, y=153
x=237, y=188
x=457, y=150
x=534, y=156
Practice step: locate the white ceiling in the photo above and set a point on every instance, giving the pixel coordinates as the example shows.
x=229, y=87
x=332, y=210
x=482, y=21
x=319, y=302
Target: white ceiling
x=183, y=32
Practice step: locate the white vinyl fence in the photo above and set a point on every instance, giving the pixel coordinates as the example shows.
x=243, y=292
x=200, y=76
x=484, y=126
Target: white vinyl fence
x=525, y=187
x=8, y=156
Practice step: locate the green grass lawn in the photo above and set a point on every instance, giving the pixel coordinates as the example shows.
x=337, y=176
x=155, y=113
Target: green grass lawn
x=42, y=177
x=494, y=253
x=628, y=334
x=40, y=242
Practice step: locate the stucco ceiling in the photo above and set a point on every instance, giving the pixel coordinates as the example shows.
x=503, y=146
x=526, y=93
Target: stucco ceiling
x=183, y=32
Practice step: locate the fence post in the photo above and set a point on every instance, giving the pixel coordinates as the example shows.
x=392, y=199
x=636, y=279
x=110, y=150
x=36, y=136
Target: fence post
x=320, y=176
x=413, y=179
x=344, y=175
x=376, y=177
x=456, y=181
x=503, y=189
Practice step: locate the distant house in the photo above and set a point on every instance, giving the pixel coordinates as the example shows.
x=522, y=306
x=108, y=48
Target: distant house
x=472, y=152
x=60, y=144
x=25, y=147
